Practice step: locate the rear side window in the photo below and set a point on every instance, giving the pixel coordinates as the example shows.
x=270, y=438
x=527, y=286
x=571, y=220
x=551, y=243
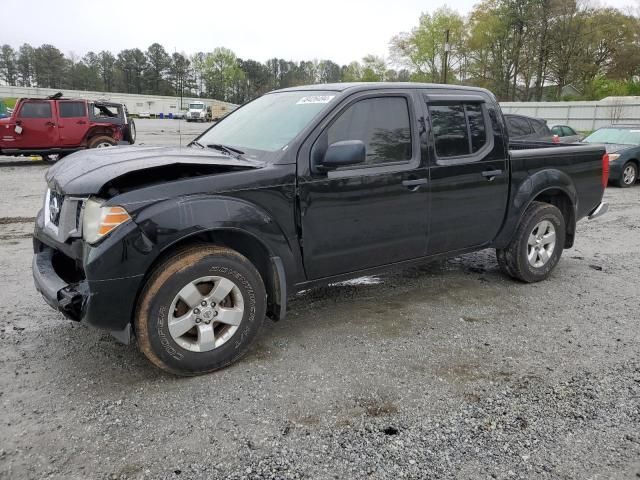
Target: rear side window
x=518, y=127
x=568, y=131
x=458, y=128
x=36, y=110
x=557, y=130
x=382, y=124
x=72, y=109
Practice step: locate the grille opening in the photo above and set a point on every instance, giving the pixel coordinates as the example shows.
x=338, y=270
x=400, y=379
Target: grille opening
x=66, y=268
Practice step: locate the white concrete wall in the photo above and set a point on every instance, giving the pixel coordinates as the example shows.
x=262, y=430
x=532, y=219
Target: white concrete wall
x=582, y=116
x=155, y=104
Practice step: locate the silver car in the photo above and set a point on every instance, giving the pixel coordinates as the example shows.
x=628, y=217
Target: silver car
x=566, y=134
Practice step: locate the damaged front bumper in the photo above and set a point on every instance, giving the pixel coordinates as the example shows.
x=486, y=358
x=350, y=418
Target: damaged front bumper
x=62, y=280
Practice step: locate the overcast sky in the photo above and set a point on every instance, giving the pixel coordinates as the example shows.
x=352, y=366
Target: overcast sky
x=340, y=30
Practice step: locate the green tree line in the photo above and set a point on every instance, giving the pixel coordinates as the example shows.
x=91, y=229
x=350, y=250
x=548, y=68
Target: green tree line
x=527, y=49
x=218, y=74
x=519, y=49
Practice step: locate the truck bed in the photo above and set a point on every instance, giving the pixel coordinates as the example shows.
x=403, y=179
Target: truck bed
x=578, y=166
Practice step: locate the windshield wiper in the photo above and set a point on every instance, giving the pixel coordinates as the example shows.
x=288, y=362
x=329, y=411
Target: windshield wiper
x=231, y=151
x=196, y=143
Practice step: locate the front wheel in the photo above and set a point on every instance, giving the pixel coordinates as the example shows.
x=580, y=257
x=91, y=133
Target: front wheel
x=537, y=245
x=200, y=311
x=629, y=175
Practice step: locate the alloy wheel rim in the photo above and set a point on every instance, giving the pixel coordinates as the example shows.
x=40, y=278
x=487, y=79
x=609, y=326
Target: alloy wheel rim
x=629, y=175
x=103, y=145
x=541, y=244
x=206, y=313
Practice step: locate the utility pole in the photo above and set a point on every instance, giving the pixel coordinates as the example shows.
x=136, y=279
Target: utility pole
x=447, y=49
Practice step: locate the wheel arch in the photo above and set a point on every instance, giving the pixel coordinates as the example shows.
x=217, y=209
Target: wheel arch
x=98, y=130
x=550, y=186
x=269, y=265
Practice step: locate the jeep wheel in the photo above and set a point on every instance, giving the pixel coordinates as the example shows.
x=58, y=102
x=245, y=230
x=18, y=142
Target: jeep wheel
x=130, y=132
x=200, y=310
x=536, y=246
x=101, y=141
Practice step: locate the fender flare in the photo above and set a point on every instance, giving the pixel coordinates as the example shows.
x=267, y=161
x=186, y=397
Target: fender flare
x=193, y=218
x=532, y=187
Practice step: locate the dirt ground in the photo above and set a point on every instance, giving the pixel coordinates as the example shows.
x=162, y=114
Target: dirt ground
x=440, y=371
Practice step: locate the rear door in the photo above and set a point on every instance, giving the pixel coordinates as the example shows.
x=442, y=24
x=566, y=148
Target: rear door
x=469, y=176
x=371, y=214
x=37, y=120
x=72, y=122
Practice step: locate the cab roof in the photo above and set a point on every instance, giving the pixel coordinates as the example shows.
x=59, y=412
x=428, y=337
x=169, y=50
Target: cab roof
x=363, y=86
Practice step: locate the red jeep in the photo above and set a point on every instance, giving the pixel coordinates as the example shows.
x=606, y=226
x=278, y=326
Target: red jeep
x=56, y=126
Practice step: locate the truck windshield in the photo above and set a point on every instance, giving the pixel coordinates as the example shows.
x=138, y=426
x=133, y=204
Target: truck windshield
x=622, y=136
x=196, y=106
x=270, y=122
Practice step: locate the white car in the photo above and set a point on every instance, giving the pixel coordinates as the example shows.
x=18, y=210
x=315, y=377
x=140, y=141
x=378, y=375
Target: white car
x=144, y=115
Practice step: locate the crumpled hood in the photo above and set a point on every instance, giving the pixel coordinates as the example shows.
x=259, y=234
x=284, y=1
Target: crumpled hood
x=87, y=171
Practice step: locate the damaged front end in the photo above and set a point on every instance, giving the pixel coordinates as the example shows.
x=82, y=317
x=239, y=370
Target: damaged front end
x=91, y=254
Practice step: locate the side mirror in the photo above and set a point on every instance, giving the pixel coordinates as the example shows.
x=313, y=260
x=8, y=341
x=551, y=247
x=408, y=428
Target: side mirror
x=341, y=154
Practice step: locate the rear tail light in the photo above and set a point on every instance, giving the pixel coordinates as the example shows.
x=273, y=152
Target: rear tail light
x=605, y=170
x=556, y=139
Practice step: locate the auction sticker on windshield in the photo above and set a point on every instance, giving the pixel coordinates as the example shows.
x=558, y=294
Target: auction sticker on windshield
x=315, y=99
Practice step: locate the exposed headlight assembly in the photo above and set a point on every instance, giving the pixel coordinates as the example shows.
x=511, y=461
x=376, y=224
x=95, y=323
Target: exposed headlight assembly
x=99, y=221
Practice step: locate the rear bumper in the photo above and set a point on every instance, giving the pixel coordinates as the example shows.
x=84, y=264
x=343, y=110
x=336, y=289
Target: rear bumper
x=600, y=210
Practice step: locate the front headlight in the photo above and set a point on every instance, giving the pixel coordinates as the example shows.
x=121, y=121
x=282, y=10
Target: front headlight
x=613, y=156
x=98, y=221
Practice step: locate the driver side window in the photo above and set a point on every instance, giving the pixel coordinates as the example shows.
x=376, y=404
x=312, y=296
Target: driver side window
x=382, y=124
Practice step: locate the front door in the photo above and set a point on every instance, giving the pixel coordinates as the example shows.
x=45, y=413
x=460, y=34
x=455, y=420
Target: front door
x=371, y=214
x=72, y=122
x=469, y=176
x=36, y=120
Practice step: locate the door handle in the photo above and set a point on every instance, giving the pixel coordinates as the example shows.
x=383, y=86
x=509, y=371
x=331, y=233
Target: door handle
x=50, y=124
x=414, y=185
x=491, y=174
x=81, y=122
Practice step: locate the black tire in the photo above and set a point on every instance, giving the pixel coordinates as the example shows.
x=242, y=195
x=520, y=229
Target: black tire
x=514, y=259
x=54, y=157
x=633, y=168
x=154, y=309
x=130, y=132
x=100, y=142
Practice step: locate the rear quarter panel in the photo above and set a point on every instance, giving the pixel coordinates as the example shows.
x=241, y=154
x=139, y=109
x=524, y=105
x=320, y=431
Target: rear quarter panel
x=575, y=170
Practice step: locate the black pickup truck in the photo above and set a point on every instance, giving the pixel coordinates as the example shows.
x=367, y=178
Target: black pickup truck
x=187, y=250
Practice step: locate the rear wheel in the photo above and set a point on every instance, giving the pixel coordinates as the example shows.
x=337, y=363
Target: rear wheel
x=536, y=246
x=101, y=141
x=200, y=311
x=629, y=175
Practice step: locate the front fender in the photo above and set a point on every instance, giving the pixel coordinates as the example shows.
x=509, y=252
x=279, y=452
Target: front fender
x=169, y=222
x=530, y=188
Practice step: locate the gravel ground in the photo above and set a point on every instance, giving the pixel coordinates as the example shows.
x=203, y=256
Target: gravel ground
x=441, y=371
